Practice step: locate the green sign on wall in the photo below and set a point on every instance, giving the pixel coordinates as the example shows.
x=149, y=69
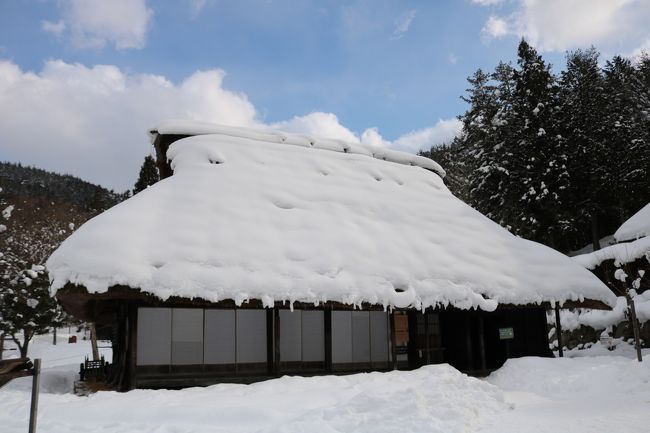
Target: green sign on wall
x=506, y=333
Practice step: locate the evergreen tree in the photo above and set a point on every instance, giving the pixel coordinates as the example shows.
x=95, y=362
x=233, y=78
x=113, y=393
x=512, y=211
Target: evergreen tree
x=477, y=142
x=449, y=156
x=561, y=161
x=625, y=134
x=583, y=105
x=148, y=175
x=538, y=177
x=27, y=309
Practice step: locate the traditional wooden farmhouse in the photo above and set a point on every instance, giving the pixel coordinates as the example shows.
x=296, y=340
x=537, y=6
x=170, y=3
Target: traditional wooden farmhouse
x=262, y=253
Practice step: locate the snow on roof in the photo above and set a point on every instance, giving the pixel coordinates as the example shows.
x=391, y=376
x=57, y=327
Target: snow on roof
x=636, y=227
x=244, y=217
x=187, y=127
x=621, y=253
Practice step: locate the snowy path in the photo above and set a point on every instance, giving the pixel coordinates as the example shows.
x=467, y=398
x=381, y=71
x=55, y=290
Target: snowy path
x=586, y=394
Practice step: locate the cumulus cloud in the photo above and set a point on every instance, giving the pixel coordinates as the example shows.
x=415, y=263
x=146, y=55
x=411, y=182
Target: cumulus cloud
x=403, y=23
x=95, y=23
x=372, y=137
x=495, y=27
x=54, y=28
x=92, y=121
x=318, y=124
x=442, y=132
x=559, y=25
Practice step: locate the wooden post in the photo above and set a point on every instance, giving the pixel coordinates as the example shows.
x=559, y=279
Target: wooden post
x=54, y=337
x=328, y=338
x=635, y=326
x=427, y=337
x=276, y=344
x=558, y=329
x=468, y=341
x=33, y=411
x=93, y=342
x=270, y=339
x=393, y=340
x=481, y=341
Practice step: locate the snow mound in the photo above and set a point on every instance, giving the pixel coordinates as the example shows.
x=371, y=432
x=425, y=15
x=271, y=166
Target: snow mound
x=593, y=377
x=245, y=218
x=635, y=227
x=432, y=399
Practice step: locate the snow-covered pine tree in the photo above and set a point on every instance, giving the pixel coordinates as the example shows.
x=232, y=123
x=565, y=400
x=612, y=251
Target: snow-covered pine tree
x=450, y=157
x=478, y=145
x=26, y=307
x=538, y=177
x=625, y=132
x=148, y=175
x=583, y=107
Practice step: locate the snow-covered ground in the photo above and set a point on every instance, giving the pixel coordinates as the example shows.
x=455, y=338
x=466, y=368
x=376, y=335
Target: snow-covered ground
x=579, y=394
x=60, y=362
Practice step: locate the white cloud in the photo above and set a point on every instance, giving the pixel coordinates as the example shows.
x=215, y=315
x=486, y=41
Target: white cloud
x=442, y=132
x=487, y=2
x=196, y=6
x=92, y=121
x=56, y=28
x=452, y=58
x=559, y=25
x=372, y=137
x=641, y=49
x=95, y=23
x=403, y=23
x=495, y=27
x=318, y=124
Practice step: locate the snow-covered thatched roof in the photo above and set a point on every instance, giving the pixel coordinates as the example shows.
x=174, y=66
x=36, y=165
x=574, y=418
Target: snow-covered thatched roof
x=636, y=227
x=275, y=217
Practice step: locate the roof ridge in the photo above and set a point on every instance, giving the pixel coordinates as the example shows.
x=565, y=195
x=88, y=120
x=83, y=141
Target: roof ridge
x=193, y=128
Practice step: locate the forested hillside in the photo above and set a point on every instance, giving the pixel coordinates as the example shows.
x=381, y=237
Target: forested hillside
x=38, y=210
x=559, y=158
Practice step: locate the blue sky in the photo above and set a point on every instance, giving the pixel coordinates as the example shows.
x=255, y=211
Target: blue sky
x=384, y=72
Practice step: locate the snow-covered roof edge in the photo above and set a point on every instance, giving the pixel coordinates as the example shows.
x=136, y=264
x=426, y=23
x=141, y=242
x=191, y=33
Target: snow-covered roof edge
x=187, y=127
x=621, y=253
x=636, y=227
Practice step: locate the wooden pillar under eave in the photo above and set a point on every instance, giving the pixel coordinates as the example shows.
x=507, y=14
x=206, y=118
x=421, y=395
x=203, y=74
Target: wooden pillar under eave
x=481, y=341
x=468, y=341
x=276, y=340
x=558, y=329
x=328, y=338
x=393, y=340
